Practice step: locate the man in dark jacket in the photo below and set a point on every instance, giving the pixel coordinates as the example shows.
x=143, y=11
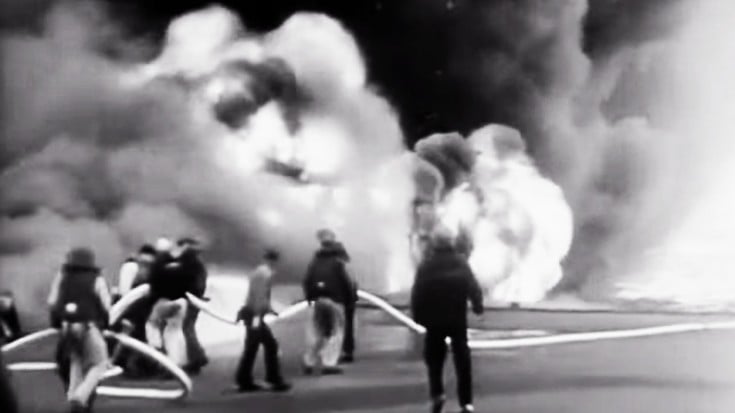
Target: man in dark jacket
x=195, y=273
x=134, y=272
x=80, y=301
x=443, y=286
x=333, y=248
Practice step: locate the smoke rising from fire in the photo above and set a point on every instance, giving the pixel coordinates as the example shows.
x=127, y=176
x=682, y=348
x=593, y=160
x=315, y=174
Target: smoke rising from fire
x=110, y=154
x=96, y=151
x=518, y=222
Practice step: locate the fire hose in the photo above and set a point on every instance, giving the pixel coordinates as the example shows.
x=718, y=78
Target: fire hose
x=116, y=312
x=185, y=382
x=115, y=391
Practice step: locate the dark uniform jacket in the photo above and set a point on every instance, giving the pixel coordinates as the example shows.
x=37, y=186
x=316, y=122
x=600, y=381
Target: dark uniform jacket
x=443, y=286
x=327, y=275
x=172, y=278
x=78, y=300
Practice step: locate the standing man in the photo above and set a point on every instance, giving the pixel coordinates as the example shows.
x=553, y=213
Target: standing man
x=134, y=272
x=257, y=332
x=80, y=302
x=444, y=284
x=194, y=271
x=348, y=299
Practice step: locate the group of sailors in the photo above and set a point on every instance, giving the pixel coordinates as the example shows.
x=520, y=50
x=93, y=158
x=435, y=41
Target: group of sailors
x=80, y=302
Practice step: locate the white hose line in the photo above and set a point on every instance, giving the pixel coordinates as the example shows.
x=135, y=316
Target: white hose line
x=30, y=338
x=114, y=371
x=392, y=311
x=207, y=309
x=114, y=391
x=118, y=309
x=148, y=393
x=288, y=312
x=32, y=366
x=599, y=335
x=491, y=344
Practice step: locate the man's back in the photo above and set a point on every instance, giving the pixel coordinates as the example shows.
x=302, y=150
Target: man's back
x=259, y=290
x=443, y=286
x=327, y=276
x=166, y=278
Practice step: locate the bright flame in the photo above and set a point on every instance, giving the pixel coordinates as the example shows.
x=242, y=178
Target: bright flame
x=460, y=209
x=519, y=222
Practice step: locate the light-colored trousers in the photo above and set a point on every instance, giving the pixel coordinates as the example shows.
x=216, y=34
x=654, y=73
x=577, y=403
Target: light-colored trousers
x=324, y=351
x=164, y=329
x=88, y=360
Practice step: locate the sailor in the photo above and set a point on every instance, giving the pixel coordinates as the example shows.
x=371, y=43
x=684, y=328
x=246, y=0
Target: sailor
x=194, y=271
x=443, y=286
x=257, y=332
x=80, y=301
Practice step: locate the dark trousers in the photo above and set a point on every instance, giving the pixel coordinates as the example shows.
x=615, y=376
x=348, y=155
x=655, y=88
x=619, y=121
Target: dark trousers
x=348, y=343
x=8, y=403
x=435, y=351
x=254, y=338
x=194, y=350
x=136, y=364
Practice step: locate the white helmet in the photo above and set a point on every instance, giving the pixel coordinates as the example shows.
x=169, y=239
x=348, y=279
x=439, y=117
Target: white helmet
x=164, y=245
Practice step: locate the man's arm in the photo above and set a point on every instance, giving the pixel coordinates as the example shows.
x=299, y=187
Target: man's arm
x=200, y=281
x=348, y=287
x=126, y=277
x=417, y=293
x=474, y=290
x=306, y=284
x=53, y=296
x=103, y=292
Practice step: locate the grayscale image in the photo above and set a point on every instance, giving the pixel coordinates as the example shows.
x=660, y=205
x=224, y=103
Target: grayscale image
x=367, y=206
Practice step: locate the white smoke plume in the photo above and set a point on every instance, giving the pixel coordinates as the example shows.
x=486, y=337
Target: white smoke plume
x=637, y=134
x=690, y=262
x=110, y=155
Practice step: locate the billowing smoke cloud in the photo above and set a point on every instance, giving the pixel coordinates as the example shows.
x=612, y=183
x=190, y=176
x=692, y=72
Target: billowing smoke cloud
x=248, y=140
x=449, y=153
x=633, y=123
x=109, y=155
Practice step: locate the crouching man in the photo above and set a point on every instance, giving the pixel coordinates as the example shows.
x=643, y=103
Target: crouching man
x=80, y=301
